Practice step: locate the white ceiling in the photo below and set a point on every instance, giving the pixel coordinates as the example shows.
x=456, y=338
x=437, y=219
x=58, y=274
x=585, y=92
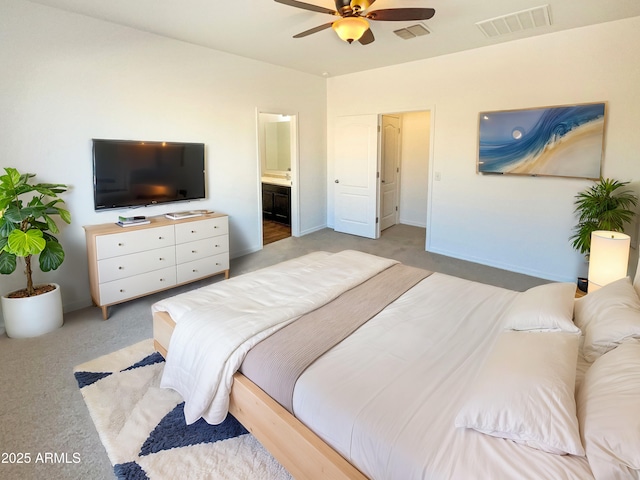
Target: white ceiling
x=263, y=29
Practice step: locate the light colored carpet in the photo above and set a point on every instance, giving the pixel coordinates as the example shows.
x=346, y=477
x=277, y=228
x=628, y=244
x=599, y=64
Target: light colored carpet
x=143, y=429
x=41, y=408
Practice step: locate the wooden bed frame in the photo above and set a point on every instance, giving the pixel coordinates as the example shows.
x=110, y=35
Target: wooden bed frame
x=296, y=447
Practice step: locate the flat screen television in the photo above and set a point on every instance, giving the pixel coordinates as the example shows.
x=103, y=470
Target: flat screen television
x=135, y=173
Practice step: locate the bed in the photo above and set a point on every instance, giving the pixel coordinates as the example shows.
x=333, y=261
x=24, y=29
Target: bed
x=434, y=377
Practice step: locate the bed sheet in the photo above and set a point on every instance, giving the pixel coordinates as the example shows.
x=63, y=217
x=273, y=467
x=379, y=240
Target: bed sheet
x=387, y=396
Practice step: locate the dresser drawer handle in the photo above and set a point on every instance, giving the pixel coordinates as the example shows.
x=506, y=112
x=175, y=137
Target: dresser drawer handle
x=122, y=290
x=193, y=231
x=121, y=244
x=120, y=268
x=160, y=238
x=162, y=279
x=194, y=251
x=161, y=259
x=217, y=246
x=194, y=270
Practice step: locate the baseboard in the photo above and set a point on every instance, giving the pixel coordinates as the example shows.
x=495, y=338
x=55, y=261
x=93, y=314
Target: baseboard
x=312, y=230
x=246, y=251
x=78, y=305
x=412, y=224
x=503, y=266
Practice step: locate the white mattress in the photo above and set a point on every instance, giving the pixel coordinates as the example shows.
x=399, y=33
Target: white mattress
x=386, y=397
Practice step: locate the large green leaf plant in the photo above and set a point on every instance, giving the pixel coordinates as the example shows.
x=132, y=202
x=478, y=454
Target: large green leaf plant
x=606, y=205
x=27, y=229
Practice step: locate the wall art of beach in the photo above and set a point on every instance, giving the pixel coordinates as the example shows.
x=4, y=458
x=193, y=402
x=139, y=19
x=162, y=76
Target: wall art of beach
x=562, y=141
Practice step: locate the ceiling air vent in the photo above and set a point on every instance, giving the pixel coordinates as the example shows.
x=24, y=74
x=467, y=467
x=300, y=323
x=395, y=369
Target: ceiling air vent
x=514, y=22
x=413, y=31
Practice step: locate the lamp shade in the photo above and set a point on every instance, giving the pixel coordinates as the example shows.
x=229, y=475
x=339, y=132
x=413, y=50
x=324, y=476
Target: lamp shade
x=608, y=258
x=350, y=28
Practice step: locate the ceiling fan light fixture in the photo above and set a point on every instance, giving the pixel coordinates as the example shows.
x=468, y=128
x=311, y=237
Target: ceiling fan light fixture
x=350, y=28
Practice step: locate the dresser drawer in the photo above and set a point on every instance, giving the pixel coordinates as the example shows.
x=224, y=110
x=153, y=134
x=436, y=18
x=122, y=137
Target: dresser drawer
x=202, y=268
x=124, y=243
x=113, y=268
x=143, y=284
x=190, y=231
x=187, y=252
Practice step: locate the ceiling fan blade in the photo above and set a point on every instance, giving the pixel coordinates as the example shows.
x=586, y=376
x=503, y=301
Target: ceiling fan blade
x=401, y=14
x=367, y=37
x=313, y=30
x=307, y=6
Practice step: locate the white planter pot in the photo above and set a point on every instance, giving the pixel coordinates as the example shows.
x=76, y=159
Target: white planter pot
x=32, y=316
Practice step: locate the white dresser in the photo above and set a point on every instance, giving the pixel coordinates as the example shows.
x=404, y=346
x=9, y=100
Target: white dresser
x=130, y=262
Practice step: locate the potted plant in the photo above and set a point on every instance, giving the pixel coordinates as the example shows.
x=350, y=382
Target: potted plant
x=606, y=205
x=26, y=229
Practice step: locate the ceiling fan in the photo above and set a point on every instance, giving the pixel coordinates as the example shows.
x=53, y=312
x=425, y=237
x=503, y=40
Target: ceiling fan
x=353, y=24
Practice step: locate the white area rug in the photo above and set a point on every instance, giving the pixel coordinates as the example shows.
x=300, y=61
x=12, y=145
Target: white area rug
x=142, y=426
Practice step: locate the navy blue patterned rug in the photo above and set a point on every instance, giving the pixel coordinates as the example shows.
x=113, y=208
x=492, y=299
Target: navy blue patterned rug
x=143, y=429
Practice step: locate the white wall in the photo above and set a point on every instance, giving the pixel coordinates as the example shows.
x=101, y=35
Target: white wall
x=67, y=79
x=415, y=168
x=517, y=223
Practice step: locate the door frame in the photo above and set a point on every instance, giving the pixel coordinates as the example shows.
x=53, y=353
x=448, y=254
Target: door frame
x=295, y=169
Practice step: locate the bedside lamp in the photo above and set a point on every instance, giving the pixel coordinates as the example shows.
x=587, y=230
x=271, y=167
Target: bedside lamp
x=608, y=258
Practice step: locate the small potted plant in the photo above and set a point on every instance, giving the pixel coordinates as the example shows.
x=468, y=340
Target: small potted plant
x=606, y=205
x=27, y=228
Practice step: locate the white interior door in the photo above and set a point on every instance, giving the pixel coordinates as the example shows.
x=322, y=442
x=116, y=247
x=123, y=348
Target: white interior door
x=389, y=171
x=356, y=176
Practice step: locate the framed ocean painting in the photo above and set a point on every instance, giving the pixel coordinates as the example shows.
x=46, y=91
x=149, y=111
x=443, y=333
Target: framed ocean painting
x=565, y=141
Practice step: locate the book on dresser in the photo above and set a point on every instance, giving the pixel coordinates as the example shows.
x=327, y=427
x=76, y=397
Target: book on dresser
x=161, y=254
x=120, y=223
x=136, y=218
x=130, y=221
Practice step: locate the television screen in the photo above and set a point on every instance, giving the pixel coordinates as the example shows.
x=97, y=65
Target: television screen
x=134, y=173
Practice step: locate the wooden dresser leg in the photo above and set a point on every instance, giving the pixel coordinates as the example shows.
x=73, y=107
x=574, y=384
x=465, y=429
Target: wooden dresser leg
x=105, y=312
x=226, y=274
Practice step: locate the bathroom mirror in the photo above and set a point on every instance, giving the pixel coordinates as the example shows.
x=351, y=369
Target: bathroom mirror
x=275, y=142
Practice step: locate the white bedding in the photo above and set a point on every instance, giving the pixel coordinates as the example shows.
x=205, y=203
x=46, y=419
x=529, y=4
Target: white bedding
x=386, y=397
x=217, y=325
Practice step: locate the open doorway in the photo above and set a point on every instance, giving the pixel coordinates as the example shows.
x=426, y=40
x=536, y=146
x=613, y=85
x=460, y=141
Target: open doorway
x=381, y=168
x=412, y=167
x=277, y=141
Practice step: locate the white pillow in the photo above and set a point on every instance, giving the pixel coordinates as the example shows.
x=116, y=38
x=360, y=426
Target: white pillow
x=609, y=413
x=525, y=392
x=547, y=307
x=607, y=317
